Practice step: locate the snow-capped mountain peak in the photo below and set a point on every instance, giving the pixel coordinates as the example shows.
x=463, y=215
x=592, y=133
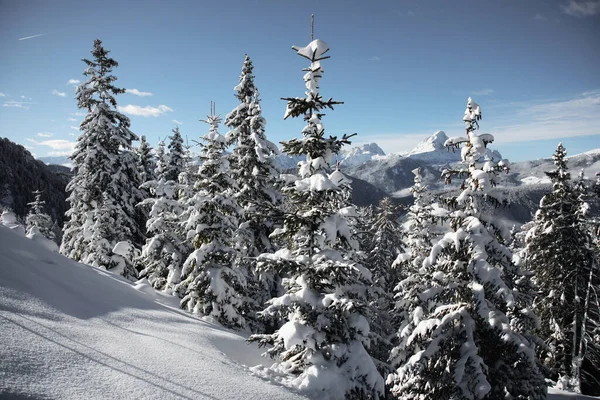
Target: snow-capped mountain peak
x=434, y=142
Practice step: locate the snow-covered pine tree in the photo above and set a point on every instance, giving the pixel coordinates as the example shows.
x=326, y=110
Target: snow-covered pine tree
x=105, y=171
x=559, y=251
x=384, y=247
x=145, y=161
x=458, y=341
x=211, y=285
x=322, y=342
x=164, y=251
x=38, y=218
x=253, y=169
x=419, y=232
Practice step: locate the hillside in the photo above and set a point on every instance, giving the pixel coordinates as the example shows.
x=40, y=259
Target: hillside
x=21, y=174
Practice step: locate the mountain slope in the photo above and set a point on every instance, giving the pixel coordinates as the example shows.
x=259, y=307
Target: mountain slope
x=21, y=174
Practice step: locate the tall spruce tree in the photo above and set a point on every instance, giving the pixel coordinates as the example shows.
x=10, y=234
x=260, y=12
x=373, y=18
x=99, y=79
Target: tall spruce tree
x=559, y=249
x=253, y=169
x=458, y=341
x=325, y=330
x=106, y=178
x=211, y=284
x=384, y=247
x=163, y=254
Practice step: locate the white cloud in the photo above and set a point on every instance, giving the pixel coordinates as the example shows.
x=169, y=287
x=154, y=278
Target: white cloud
x=57, y=93
x=553, y=119
x=17, y=104
x=582, y=9
x=539, y=17
x=58, y=144
x=147, y=111
x=177, y=122
x=410, y=14
x=2, y=94
x=138, y=93
x=78, y=114
x=75, y=128
x=45, y=134
x=375, y=58
x=72, y=134
x=72, y=119
x=31, y=37
x=73, y=82
x=483, y=92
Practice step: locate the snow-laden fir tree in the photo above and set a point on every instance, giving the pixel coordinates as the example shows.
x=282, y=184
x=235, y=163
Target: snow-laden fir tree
x=384, y=247
x=38, y=219
x=559, y=251
x=106, y=176
x=145, y=161
x=459, y=341
x=253, y=169
x=419, y=231
x=211, y=284
x=163, y=254
x=324, y=338
x=145, y=168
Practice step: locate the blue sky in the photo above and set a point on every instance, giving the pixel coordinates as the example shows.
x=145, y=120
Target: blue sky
x=403, y=68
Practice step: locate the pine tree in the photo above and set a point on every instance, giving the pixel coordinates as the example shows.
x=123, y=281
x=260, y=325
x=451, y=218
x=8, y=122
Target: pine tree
x=559, y=251
x=458, y=340
x=164, y=251
x=255, y=174
x=145, y=161
x=38, y=219
x=211, y=285
x=384, y=247
x=325, y=330
x=106, y=177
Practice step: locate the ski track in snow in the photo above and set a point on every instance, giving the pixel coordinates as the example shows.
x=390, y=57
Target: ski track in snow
x=70, y=331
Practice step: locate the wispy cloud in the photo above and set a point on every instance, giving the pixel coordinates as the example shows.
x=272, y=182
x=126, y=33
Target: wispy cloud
x=582, y=9
x=483, y=92
x=539, y=17
x=60, y=94
x=31, y=37
x=375, y=58
x=552, y=119
x=2, y=94
x=177, y=122
x=45, y=134
x=72, y=120
x=73, y=82
x=75, y=128
x=138, y=93
x=17, y=104
x=78, y=114
x=147, y=111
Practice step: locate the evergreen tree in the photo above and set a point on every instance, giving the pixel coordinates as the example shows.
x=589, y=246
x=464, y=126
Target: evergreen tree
x=325, y=330
x=385, y=245
x=145, y=161
x=37, y=217
x=211, y=285
x=106, y=177
x=255, y=174
x=163, y=253
x=559, y=251
x=458, y=340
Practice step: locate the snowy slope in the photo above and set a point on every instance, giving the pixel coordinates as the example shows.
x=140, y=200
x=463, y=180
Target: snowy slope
x=69, y=331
